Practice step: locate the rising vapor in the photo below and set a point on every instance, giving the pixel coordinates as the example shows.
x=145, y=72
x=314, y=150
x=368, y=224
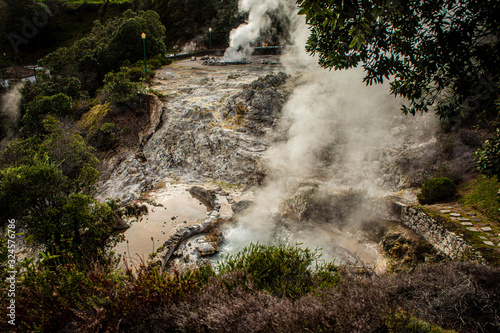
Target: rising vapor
x=337, y=130
x=10, y=107
x=243, y=37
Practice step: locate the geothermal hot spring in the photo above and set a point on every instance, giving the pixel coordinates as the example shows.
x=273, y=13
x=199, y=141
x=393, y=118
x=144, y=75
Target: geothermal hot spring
x=323, y=139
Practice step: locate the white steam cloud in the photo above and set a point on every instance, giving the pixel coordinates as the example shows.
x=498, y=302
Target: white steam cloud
x=332, y=116
x=243, y=37
x=10, y=105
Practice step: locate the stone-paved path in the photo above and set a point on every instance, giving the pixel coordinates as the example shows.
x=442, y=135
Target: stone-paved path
x=473, y=222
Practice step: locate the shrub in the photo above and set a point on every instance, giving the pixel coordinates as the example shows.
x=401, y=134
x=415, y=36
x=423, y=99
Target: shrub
x=164, y=60
x=155, y=63
x=104, y=138
x=136, y=74
x=282, y=270
x=437, y=189
x=488, y=156
x=119, y=90
x=459, y=296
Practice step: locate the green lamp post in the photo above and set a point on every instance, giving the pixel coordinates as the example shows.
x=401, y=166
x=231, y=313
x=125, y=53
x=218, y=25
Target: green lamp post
x=210, y=29
x=143, y=35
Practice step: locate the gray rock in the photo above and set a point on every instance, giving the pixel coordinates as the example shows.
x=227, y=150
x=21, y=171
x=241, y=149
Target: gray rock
x=240, y=206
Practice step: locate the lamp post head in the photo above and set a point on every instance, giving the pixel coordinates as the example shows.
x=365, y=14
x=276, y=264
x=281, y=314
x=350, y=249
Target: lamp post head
x=210, y=29
x=143, y=35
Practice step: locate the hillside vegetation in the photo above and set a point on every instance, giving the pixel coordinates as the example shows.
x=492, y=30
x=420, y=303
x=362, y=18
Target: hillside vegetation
x=262, y=289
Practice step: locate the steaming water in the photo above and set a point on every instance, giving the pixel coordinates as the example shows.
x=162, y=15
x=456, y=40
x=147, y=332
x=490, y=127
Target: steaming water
x=337, y=131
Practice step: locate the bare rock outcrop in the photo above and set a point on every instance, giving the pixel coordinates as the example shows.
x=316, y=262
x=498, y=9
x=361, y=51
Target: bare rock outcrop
x=217, y=135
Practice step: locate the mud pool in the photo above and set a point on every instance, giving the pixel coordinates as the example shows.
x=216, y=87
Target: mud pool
x=169, y=208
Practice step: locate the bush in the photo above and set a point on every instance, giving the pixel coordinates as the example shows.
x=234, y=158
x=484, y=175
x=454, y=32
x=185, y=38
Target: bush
x=436, y=190
x=164, y=60
x=105, y=137
x=136, y=74
x=282, y=270
x=119, y=90
x=488, y=156
x=155, y=63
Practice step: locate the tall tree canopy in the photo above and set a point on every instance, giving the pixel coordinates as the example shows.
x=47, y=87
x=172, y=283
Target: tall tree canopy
x=442, y=54
x=107, y=46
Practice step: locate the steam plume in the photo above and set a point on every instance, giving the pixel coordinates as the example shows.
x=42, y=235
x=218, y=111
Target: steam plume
x=10, y=104
x=242, y=38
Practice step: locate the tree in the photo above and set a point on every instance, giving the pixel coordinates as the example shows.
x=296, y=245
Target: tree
x=27, y=25
x=59, y=105
x=442, y=54
x=47, y=185
x=107, y=47
x=488, y=156
x=34, y=193
x=119, y=90
x=185, y=19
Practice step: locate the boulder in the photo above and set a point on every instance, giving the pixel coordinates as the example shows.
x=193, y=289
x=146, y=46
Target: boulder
x=240, y=206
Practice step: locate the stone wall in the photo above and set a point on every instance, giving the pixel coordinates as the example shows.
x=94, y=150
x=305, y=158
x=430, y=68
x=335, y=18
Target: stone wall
x=446, y=242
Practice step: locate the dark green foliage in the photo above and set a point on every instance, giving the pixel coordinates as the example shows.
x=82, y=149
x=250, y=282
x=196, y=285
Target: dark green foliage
x=164, y=60
x=59, y=105
x=282, y=270
x=227, y=19
x=444, y=53
x=155, y=63
x=488, y=156
x=184, y=19
x=136, y=74
x=46, y=185
x=55, y=96
x=120, y=90
x=104, y=138
x=67, y=21
x=436, y=190
x=17, y=26
x=107, y=46
x=46, y=85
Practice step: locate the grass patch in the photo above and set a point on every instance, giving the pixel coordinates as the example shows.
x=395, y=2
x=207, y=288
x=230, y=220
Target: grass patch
x=481, y=194
x=403, y=322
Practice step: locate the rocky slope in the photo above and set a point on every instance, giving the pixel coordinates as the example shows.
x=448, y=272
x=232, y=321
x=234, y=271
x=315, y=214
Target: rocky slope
x=213, y=125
